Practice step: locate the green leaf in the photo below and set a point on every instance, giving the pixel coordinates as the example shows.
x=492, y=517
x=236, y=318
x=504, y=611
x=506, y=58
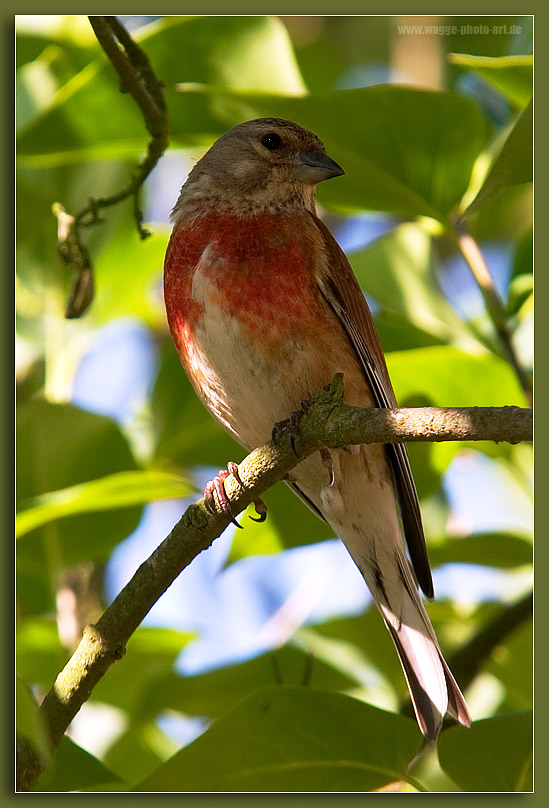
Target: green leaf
x=293, y=739
x=122, y=490
x=502, y=550
x=150, y=654
x=404, y=150
x=237, y=51
x=446, y=377
x=397, y=271
x=40, y=655
x=493, y=755
x=290, y=523
x=513, y=165
x=214, y=692
x=30, y=724
x=59, y=445
x=242, y=52
x=73, y=769
x=511, y=75
x=512, y=663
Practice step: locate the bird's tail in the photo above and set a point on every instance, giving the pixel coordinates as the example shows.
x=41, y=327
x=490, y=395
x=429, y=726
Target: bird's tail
x=433, y=689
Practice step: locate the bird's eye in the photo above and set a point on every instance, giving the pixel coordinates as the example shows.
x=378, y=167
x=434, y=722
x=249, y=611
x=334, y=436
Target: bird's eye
x=271, y=141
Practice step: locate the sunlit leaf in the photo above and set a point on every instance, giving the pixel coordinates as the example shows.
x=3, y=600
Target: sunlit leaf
x=511, y=75
x=514, y=164
x=122, y=490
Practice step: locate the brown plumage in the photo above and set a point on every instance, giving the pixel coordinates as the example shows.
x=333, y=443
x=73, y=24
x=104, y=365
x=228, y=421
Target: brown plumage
x=264, y=309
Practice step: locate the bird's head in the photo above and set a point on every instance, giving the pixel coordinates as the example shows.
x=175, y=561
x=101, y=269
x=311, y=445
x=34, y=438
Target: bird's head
x=263, y=164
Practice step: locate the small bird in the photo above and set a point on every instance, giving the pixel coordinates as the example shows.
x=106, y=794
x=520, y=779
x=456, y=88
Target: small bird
x=264, y=310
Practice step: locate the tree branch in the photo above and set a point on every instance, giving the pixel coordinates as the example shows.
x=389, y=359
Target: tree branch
x=137, y=78
x=327, y=422
x=492, y=300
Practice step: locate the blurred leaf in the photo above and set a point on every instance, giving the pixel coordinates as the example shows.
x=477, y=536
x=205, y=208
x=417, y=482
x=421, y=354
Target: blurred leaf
x=521, y=289
x=40, y=655
x=450, y=378
x=122, y=490
x=523, y=259
x=73, y=769
x=404, y=150
x=511, y=75
x=512, y=663
x=237, y=51
x=396, y=270
x=128, y=275
x=150, y=654
x=291, y=739
x=139, y=752
x=513, y=165
x=290, y=523
x=29, y=723
x=214, y=692
x=59, y=445
x=502, y=550
x=493, y=755
x=250, y=52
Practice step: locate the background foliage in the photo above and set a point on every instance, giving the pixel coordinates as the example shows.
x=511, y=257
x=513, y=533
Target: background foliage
x=108, y=422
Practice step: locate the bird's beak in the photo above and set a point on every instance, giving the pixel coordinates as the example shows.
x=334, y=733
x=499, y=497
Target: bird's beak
x=314, y=166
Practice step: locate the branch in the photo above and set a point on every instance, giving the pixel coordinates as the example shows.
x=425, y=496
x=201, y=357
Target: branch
x=493, y=302
x=137, y=78
x=327, y=422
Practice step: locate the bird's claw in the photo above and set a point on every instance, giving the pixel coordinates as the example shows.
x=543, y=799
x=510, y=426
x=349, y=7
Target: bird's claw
x=216, y=488
x=260, y=509
x=292, y=424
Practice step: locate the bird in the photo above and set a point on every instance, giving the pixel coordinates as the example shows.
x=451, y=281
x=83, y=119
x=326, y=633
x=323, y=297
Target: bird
x=264, y=310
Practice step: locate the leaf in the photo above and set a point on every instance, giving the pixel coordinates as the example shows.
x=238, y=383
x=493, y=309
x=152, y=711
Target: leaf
x=237, y=51
x=122, y=490
x=214, y=692
x=73, y=769
x=511, y=75
x=30, y=724
x=59, y=445
x=502, y=550
x=397, y=271
x=493, y=755
x=150, y=654
x=446, y=377
x=40, y=655
x=404, y=150
x=293, y=739
x=513, y=165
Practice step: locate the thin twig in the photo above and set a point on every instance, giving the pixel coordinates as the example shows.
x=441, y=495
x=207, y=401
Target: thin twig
x=492, y=300
x=137, y=78
x=323, y=424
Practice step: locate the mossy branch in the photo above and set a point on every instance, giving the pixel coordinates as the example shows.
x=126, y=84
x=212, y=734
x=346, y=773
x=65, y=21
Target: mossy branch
x=327, y=422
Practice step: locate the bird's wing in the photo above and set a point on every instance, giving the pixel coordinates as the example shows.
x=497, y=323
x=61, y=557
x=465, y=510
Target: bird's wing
x=344, y=295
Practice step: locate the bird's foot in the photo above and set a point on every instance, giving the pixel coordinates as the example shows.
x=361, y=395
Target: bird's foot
x=292, y=424
x=215, y=488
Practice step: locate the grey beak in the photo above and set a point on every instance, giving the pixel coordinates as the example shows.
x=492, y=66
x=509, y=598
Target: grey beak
x=314, y=166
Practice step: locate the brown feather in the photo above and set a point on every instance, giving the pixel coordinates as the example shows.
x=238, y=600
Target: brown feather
x=343, y=293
